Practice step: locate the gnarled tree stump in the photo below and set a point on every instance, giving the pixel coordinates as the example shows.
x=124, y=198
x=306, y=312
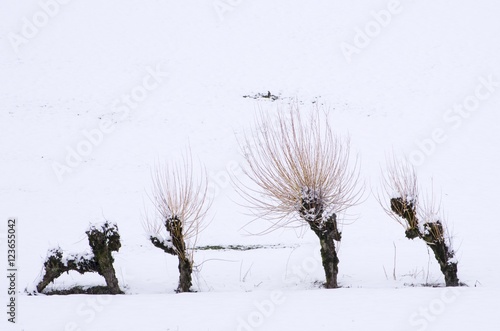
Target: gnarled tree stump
x=103, y=240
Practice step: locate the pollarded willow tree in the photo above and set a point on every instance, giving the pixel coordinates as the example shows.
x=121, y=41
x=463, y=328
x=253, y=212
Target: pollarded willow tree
x=181, y=205
x=104, y=239
x=302, y=175
x=419, y=216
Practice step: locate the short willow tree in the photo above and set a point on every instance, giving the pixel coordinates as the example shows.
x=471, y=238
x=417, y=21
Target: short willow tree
x=420, y=217
x=181, y=205
x=104, y=239
x=302, y=175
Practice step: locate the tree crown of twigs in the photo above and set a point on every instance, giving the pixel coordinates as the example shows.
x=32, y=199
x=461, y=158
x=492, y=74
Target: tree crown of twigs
x=178, y=197
x=291, y=159
x=400, y=181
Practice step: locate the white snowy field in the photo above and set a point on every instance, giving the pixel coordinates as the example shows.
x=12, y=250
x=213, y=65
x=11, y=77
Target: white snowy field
x=93, y=93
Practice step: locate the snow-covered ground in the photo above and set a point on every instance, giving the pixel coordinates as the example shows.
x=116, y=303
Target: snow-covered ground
x=93, y=93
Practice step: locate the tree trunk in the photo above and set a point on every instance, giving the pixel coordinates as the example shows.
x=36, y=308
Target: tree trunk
x=174, y=227
x=327, y=233
x=330, y=260
x=449, y=269
x=185, y=271
x=107, y=270
x=103, y=242
x=442, y=253
x=450, y=274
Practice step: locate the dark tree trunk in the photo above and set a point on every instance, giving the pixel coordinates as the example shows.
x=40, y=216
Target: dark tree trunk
x=107, y=270
x=330, y=260
x=449, y=269
x=327, y=235
x=177, y=246
x=185, y=271
x=103, y=242
x=433, y=236
x=174, y=226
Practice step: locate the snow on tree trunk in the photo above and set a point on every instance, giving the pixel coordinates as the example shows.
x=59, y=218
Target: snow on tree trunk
x=103, y=240
x=325, y=227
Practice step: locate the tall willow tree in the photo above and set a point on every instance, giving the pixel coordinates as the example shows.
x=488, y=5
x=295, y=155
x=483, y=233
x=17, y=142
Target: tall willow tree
x=301, y=174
